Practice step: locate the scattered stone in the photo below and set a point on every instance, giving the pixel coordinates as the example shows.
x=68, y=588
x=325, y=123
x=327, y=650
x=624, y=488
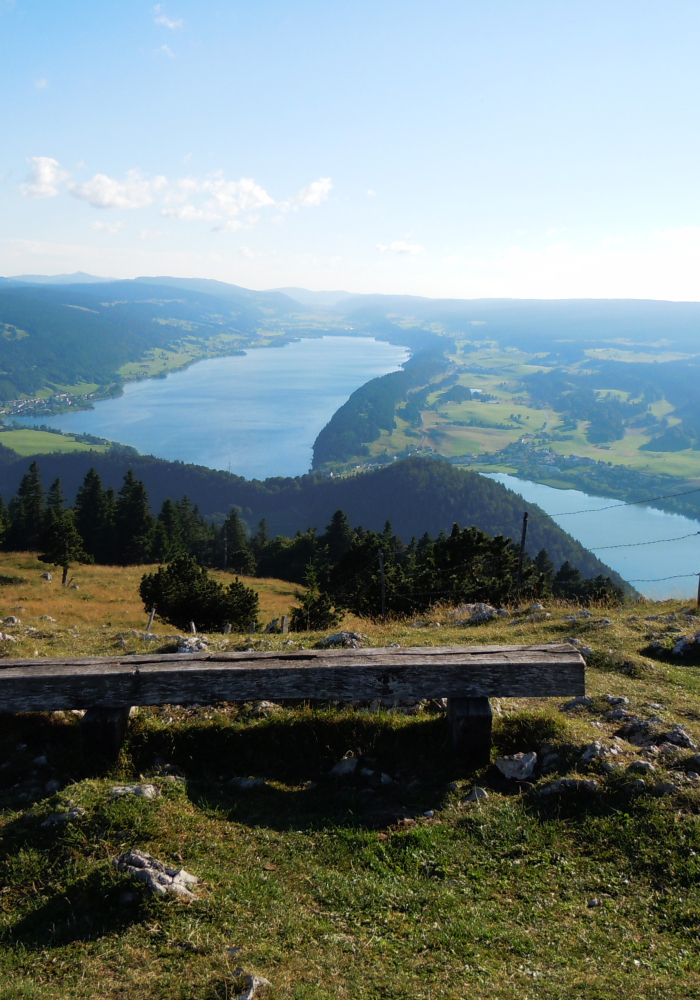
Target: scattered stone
x=41, y=761
x=616, y=699
x=643, y=766
x=586, y=651
x=52, y=786
x=47, y=576
x=140, y=791
x=604, y=622
x=569, y=785
x=695, y=759
x=692, y=775
x=536, y=606
x=192, y=644
x=386, y=779
x=75, y=587
x=46, y=618
x=252, y=985
x=12, y=620
x=266, y=708
x=158, y=877
x=654, y=706
x=429, y=813
x=247, y=783
x=620, y=715
x=344, y=767
x=4, y=637
x=636, y=785
x=348, y=640
x=665, y=788
x=679, y=737
x=64, y=817
x=476, y=794
x=582, y=701
x=417, y=624
x=685, y=643
x=592, y=903
x=517, y=766
x=596, y=750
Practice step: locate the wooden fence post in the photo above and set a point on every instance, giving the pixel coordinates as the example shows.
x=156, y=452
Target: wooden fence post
x=227, y=628
x=285, y=624
x=102, y=731
x=193, y=628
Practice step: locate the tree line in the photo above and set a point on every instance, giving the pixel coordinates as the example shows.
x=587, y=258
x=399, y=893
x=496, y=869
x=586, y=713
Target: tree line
x=343, y=569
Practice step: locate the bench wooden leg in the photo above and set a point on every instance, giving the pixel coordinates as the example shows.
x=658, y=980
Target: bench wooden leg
x=103, y=731
x=471, y=722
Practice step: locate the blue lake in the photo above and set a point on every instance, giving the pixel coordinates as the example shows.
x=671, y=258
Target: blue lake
x=624, y=526
x=257, y=414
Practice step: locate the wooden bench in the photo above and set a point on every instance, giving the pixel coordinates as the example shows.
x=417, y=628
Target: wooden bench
x=467, y=676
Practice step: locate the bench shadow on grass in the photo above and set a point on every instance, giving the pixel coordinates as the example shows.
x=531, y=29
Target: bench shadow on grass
x=294, y=757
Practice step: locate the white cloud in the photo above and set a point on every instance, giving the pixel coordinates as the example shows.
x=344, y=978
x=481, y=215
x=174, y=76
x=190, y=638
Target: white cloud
x=42, y=84
x=105, y=192
x=162, y=18
x=247, y=252
x=151, y=234
x=106, y=227
x=224, y=200
x=371, y=193
x=167, y=51
x=555, y=232
x=454, y=259
x=309, y=197
x=44, y=177
x=400, y=247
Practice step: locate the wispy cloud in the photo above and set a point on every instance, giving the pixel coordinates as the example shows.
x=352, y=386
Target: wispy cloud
x=401, y=247
x=371, y=193
x=106, y=192
x=44, y=177
x=309, y=197
x=42, y=84
x=166, y=51
x=555, y=231
x=106, y=227
x=162, y=18
x=151, y=234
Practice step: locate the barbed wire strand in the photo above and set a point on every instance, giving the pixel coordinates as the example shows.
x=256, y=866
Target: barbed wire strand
x=627, y=503
x=656, y=541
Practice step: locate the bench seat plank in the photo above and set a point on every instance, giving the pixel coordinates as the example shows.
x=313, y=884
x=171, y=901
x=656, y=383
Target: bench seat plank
x=340, y=674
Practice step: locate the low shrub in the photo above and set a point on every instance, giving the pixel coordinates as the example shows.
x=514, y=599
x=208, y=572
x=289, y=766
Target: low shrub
x=615, y=663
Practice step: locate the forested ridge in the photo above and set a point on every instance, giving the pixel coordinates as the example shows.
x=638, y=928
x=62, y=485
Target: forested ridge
x=417, y=495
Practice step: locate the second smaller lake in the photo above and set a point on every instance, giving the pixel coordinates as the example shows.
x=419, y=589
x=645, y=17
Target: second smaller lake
x=606, y=524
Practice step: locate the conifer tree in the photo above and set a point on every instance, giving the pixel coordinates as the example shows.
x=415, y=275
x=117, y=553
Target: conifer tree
x=27, y=513
x=316, y=609
x=4, y=521
x=93, y=516
x=183, y=592
x=338, y=537
x=167, y=540
x=240, y=559
x=61, y=541
x=133, y=523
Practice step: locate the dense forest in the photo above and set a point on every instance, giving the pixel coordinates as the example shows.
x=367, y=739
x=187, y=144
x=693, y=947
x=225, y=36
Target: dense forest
x=344, y=568
x=417, y=495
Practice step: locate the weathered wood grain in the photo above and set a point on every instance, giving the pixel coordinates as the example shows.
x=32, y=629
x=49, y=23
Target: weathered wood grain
x=343, y=674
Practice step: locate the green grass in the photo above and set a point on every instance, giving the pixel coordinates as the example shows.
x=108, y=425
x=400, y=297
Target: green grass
x=334, y=889
x=31, y=442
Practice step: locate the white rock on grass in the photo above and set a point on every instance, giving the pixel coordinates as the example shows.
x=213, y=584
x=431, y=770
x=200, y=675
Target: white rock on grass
x=12, y=620
x=343, y=768
x=55, y=819
x=4, y=637
x=517, y=766
x=46, y=618
x=596, y=750
x=582, y=701
x=642, y=766
x=249, y=985
x=266, y=708
x=476, y=795
x=247, y=783
x=192, y=644
x=561, y=785
x=158, y=877
x=349, y=640
x=140, y=791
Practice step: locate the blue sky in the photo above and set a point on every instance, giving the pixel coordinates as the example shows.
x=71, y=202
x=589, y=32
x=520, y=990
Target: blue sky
x=539, y=149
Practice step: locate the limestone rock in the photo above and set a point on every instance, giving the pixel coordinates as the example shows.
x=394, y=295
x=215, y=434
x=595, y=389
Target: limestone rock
x=56, y=819
x=475, y=795
x=596, y=750
x=12, y=620
x=665, y=788
x=4, y=637
x=642, y=766
x=47, y=576
x=140, y=791
x=266, y=708
x=561, y=785
x=192, y=644
x=247, y=783
x=349, y=640
x=582, y=701
x=343, y=768
x=517, y=766
x=250, y=986
x=158, y=877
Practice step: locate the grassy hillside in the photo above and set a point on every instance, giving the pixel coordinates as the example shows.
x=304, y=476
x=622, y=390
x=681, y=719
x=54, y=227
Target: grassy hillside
x=335, y=889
